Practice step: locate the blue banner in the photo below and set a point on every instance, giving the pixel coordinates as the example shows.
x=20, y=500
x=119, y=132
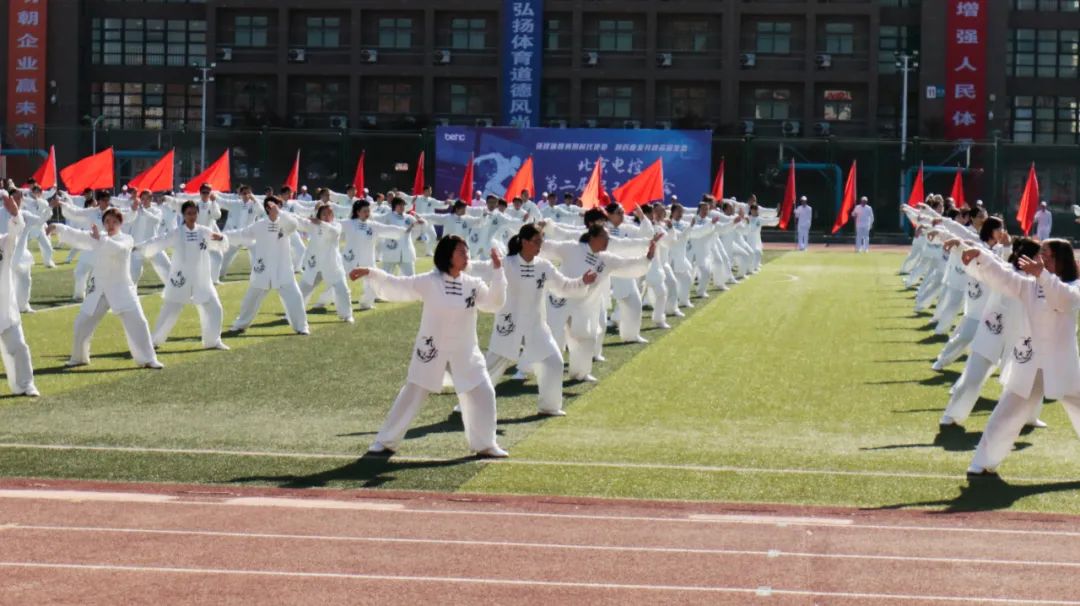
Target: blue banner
x=563, y=158
x=523, y=47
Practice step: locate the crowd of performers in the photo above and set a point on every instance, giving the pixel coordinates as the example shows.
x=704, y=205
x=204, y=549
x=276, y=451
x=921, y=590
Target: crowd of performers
x=1017, y=298
x=554, y=274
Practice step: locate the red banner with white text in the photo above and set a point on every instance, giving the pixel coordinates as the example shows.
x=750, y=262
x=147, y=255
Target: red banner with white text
x=965, y=68
x=27, y=83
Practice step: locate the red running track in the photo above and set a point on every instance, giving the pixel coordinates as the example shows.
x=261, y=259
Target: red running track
x=94, y=543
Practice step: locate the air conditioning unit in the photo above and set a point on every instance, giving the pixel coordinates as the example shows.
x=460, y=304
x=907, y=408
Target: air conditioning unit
x=790, y=128
x=592, y=58
x=663, y=60
x=297, y=121
x=224, y=54
x=224, y=120
x=369, y=55
x=557, y=124
x=442, y=57
x=369, y=120
x=631, y=124
x=485, y=122
x=747, y=127
x=748, y=59
x=663, y=124
x=822, y=129
x=297, y=55
x=823, y=61
x=442, y=121
x=340, y=122
x=590, y=123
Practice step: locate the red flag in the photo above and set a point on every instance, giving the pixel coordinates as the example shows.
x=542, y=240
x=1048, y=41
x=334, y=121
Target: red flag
x=917, y=196
x=465, y=194
x=1029, y=201
x=45, y=176
x=94, y=172
x=789, y=197
x=217, y=175
x=718, y=184
x=293, y=180
x=590, y=196
x=158, y=177
x=958, y=189
x=848, y=202
x=648, y=186
x=418, y=182
x=358, y=180
x=522, y=180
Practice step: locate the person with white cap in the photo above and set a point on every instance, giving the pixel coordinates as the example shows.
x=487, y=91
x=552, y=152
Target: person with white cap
x=864, y=220
x=1044, y=219
x=804, y=214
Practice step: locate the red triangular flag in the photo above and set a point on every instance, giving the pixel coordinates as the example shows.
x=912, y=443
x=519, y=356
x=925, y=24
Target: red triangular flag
x=789, y=198
x=1029, y=202
x=848, y=202
x=648, y=186
x=718, y=184
x=590, y=196
x=418, y=182
x=293, y=180
x=523, y=180
x=217, y=175
x=158, y=177
x=358, y=180
x=45, y=176
x=94, y=172
x=917, y=196
x=958, y=189
x=465, y=193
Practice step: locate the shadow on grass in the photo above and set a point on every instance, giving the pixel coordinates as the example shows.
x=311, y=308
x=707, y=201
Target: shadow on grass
x=930, y=339
x=373, y=471
x=950, y=439
x=987, y=494
x=945, y=377
x=982, y=404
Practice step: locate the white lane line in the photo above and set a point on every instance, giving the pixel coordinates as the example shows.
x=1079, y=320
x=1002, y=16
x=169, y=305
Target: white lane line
x=770, y=519
x=530, y=583
x=80, y=496
x=770, y=553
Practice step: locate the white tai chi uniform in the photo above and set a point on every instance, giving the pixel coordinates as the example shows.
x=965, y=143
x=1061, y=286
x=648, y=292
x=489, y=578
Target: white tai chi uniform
x=952, y=301
x=322, y=262
x=271, y=269
x=803, y=217
x=13, y=348
x=625, y=290
x=1043, y=361
x=399, y=254
x=1044, y=220
x=361, y=239
x=143, y=224
x=975, y=300
x=423, y=206
x=23, y=261
x=864, y=221
x=83, y=218
x=189, y=281
x=109, y=287
x=209, y=213
x=447, y=338
x=242, y=213
x=40, y=207
x=756, y=223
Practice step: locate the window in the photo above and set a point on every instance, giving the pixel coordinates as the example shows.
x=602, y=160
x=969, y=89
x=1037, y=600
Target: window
x=467, y=98
x=468, y=34
x=323, y=32
x=691, y=36
x=1043, y=53
x=251, y=30
x=840, y=38
x=554, y=100
x=772, y=103
x=686, y=101
x=1045, y=119
x=614, y=101
x=320, y=96
x=1065, y=6
x=153, y=42
x=837, y=105
x=394, y=98
x=245, y=94
x=773, y=38
x=395, y=32
x=615, y=35
x=891, y=38
x=151, y=105
x=556, y=33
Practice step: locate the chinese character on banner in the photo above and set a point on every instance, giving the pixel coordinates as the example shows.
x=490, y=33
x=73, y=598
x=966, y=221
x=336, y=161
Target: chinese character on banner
x=521, y=62
x=965, y=76
x=26, y=43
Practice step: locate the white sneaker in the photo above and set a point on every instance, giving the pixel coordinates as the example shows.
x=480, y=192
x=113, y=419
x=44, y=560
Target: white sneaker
x=304, y=332
x=663, y=325
x=678, y=314
x=155, y=365
x=599, y=359
x=75, y=364
x=551, y=413
x=1038, y=424
x=50, y=265
x=493, y=453
x=639, y=339
x=519, y=376
x=220, y=346
x=31, y=393
x=937, y=365
x=947, y=420
x=28, y=310
x=318, y=306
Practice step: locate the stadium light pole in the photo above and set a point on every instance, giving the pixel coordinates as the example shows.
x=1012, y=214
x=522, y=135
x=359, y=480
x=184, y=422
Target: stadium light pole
x=906, y=63
x=203, y=79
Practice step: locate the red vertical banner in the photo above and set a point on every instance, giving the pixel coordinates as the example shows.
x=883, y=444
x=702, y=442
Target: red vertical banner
x=26, y=69
x=965, y=68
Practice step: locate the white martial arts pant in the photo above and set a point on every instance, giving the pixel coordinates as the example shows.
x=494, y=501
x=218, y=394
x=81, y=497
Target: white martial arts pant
x=919, y=271
x=548, y=378
x=298, y=249
x=556, y=320
x=211, y=317
x=1010, y=415
x=136, y=330
x=429, y=237
x=45, y=245
x=757, y=259
x=16, y=356
x=81, y=275
x=23, y=281
x=671, y=284
x=628, y=309
x=804, y=236
x=721, y=268
x=217, y=259
x=929, y=290
x=342, y=295
x=477, y=415
x=740, y=260
x=912, y=256
x=683, y=281
x=160, y=263
x=704, y=275
x=961, y=338
x=227, y=260
x=407, y=269
x=965, y=392
x=951, y=303
x=862, y=239
x=291, y=300
x=582, y=345
x=658, y=288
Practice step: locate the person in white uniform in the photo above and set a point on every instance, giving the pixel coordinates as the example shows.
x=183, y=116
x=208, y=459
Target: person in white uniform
x=271, y=267
x=426, y=204
x=323, y=260
x=39, y=204
x=628, y=305
x=85, y=218
x=23, y=261
x=804, y=215
x=864, y=221
x=14, y=351
x=1044, y=221
x=143, y=223
x=362, y=237
x=109, y=286
x=446, y=339
x=399, y=255
x=242, y=212
x=209, y=213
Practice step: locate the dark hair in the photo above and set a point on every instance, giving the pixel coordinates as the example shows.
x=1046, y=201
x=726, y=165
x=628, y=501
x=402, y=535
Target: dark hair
x=593, y=215
x=568, y=196
x=1022, y=246
x=321, y=207
x=268, y=199
x=593, y=232
x=444, y=250
x=992, y=224
x=397, y=201
x=358, y=206
x=501, y=202
x=613, y=208
x=112, y=211
x=102, y=194
x=205, y=186
x=951, y=213
x=187, y=205
x=459, y=205
x=1064, y=258
x=527, y=232
x=674, y=206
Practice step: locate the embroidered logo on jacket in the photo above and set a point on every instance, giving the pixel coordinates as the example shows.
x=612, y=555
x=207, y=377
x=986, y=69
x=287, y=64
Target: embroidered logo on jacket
x=311, y=261
x=202, y=244
x=259, y=266
x=91, y=284
x=474, y=238
x=556, y=302
x=506, y=326
x=995, y=324
x=470, y=301
x=975, y=290
x=429, y=352
x=391, y=244
x=541, y=281
x=600, y=267
x=179, y=280
x=1023, y=352
x=349, y=256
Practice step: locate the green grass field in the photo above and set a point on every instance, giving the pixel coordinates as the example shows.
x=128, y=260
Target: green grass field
x=808, y=384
